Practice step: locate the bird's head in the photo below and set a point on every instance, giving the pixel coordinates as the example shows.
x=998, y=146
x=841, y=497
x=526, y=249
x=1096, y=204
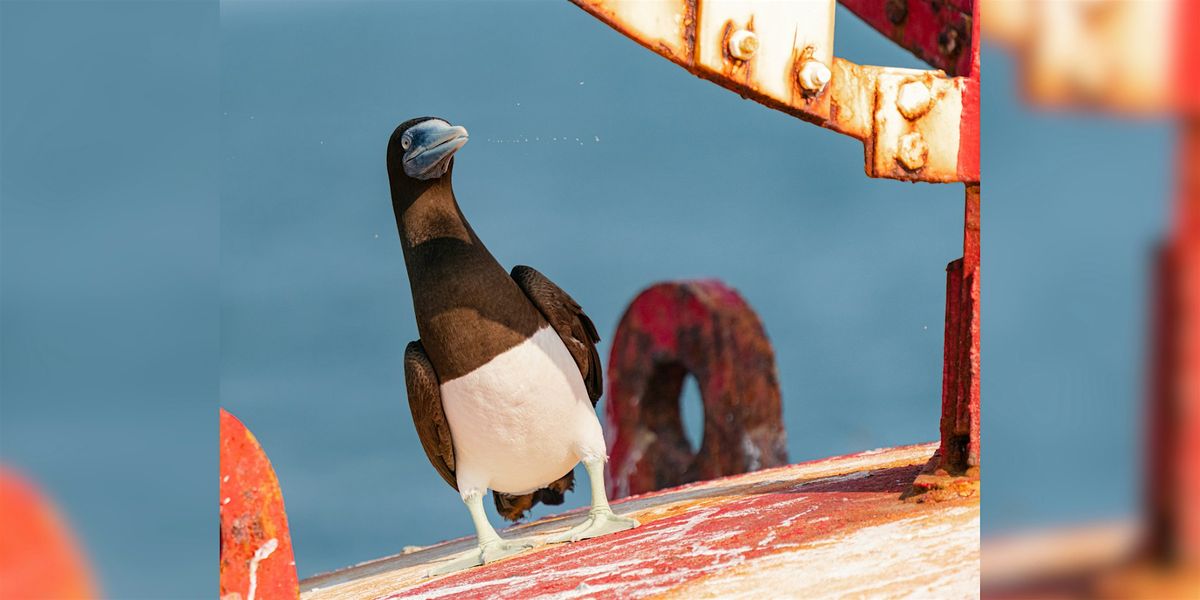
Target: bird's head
x=422, y=150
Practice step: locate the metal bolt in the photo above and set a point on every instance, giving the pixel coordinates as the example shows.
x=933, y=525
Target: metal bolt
x=948, y=40
x=813, y=76
x=743, y=44
x=912, y=151
x=913, y=100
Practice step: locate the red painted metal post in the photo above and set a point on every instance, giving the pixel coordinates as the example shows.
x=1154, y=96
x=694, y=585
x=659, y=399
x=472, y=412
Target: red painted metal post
x=256, y=548
x=954, y=469
x=1173, y=420
x=958, y=456
x=671, y=330
x=960, y=386
x=1173, y=502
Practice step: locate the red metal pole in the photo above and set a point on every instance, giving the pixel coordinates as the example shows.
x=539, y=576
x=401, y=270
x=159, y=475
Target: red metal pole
x=959, y=452
x=1174, y=420
x=960, y=384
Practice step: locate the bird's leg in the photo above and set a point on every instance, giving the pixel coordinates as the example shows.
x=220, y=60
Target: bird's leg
x=491, y=545
x=601, y=520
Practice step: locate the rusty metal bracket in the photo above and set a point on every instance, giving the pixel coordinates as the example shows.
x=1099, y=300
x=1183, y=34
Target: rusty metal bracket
x=915, y=125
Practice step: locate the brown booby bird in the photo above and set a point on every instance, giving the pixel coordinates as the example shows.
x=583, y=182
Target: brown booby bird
x=503, y=381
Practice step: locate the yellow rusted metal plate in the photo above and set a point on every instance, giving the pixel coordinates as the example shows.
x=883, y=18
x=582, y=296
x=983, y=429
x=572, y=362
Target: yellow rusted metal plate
x=909, y=120
x=780, y=54
x=765, y=47
x=916, y=126
x=664, y=26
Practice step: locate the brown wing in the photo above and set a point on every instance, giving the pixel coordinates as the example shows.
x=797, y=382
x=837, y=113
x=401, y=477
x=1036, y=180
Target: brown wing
x=568, y=320
x=425, y=402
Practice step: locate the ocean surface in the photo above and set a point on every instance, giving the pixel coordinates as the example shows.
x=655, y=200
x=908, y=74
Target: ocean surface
x=602, y=165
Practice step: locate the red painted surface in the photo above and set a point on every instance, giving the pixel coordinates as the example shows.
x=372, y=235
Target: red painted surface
x=960, y=420
x=968, y=129
x=1173, y=436
x=253, y=521
x=39, y=557
x=1173, y=510
x=697, y=541
x=940, y=33
x=1187, y=56
x=706, y=329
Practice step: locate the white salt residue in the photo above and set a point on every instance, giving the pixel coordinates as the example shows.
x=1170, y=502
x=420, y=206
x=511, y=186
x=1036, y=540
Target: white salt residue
x=678, y=533
x=637, y=572
x=752, y=452
x=792, y=519
x=770, y=537
x=261, y=554
x=871, y=562
x=517, y=584
x=778, y=507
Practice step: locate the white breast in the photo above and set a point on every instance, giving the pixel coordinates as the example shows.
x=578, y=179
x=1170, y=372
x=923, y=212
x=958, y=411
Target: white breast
x=522, y=420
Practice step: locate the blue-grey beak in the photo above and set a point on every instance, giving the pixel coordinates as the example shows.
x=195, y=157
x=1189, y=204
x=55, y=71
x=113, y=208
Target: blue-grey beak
x=429, y=146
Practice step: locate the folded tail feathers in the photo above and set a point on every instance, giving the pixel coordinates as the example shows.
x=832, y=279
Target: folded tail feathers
x=514, y=507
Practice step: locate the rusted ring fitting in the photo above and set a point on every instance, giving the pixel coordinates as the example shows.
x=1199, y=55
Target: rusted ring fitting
x=702, y=328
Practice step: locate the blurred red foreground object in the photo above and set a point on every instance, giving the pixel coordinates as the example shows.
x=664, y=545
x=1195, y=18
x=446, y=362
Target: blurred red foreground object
x=39, y=557
x=256, y=549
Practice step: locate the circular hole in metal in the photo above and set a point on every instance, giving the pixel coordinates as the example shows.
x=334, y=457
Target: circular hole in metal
x=691, y=408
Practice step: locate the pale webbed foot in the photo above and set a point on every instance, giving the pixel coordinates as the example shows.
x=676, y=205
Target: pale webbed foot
x=484, y=554
x=600, y=521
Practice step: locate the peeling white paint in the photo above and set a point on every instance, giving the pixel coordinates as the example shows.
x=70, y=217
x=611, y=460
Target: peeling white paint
x=259, y=555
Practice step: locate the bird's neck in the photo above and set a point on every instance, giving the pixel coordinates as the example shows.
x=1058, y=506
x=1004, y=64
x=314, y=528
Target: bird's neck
x=467, y=307
x=433, y=214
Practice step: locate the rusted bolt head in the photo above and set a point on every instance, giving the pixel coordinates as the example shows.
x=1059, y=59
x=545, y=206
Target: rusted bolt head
x=913, y=100
x=813, y=76
x=743, y=44
x=912, y=151
x=948, y=40
x=897, y=11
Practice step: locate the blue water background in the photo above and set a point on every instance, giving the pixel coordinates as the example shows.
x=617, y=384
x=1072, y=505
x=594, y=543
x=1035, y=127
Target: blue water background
x=123, y=122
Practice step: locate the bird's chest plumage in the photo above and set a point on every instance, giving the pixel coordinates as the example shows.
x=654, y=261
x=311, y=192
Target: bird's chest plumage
x=522, y=419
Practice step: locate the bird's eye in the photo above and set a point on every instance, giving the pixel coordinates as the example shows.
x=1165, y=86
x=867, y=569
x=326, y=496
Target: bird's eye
x=405, y=142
